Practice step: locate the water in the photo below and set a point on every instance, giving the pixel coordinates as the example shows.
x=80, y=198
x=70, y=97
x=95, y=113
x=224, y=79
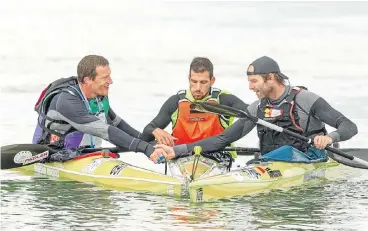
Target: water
x=321, y=45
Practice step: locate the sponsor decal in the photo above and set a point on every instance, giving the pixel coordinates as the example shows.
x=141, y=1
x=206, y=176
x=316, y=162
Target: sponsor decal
x=196, y=119
x=40, y=168
x=52, y=172
x=36, y=158
x=199, y=194
x=273, y=173
x=261, y=169
x=252, y=173
x=21, y=156
x=95, y=163
x=54, y=138
x=117, y=169
x=315, y=174
x=273, y=112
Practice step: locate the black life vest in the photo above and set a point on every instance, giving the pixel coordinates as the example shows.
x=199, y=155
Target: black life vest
x=42, y=105
x=286, y=116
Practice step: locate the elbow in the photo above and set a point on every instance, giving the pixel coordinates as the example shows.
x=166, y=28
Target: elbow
x=353, y=129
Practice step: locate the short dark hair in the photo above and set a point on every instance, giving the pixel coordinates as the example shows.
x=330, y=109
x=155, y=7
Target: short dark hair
x=87, y=66
x=200, y=65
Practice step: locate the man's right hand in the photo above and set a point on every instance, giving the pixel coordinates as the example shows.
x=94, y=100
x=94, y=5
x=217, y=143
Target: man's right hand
x=163, y=137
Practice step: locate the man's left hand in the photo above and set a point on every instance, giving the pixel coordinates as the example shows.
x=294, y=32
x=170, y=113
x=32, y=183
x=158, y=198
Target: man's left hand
x=321, y=142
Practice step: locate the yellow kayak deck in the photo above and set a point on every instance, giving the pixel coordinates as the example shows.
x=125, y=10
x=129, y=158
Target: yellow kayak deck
x=210, y=181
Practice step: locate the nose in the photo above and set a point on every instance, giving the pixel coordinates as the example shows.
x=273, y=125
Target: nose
x=110, y=80
x=251, y=86
x=197, y=87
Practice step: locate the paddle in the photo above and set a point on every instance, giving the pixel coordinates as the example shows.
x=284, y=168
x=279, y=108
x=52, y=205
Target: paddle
x=18, y=155
x=233, y=112
x=240, y=151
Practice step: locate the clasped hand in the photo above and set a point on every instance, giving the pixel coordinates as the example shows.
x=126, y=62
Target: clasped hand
x=162, y=154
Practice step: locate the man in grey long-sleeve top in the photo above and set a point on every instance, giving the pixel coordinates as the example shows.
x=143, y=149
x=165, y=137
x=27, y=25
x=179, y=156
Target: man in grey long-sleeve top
x=289, y=107
x=75, y=112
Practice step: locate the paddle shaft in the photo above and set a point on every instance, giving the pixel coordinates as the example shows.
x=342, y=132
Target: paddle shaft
x=296, y=135
x=229, y=111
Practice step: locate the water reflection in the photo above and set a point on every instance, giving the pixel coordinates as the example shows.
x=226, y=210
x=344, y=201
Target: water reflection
x=46, y=204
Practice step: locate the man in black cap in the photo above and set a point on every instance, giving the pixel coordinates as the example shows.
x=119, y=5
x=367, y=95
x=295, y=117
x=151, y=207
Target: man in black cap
x=293, y=108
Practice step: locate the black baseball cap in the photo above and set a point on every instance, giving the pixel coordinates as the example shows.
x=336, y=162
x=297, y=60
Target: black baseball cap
x=265, y=65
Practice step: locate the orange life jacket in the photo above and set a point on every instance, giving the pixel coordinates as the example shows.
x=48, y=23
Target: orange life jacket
x=191, y=125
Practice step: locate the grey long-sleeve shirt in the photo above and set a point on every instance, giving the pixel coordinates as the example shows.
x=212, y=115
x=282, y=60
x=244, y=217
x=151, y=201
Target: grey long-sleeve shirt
x=71, y=109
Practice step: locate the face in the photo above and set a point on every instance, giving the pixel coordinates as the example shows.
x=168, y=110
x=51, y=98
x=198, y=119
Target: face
x=100, y=85
x=257, y=84
x=200, y=84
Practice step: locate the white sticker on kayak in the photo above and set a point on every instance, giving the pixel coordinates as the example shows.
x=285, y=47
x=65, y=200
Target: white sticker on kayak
x=36, y=158
x=21, y=156
x=316, y=174
x=46, y=170
x=95, y=163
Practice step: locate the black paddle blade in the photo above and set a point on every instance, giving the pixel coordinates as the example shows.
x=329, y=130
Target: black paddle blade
x=213, y=108
x=18, y=155
x=360, y=153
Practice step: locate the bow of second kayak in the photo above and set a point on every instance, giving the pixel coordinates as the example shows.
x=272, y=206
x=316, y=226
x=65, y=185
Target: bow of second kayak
x=259, y=177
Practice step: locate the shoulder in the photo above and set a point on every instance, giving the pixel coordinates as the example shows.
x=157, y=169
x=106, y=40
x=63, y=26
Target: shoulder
x=171, y=104
x=68, y=99
x=224, y=94
x=253, y=107
x=175, y=98
x=306, y=97
x=232, y=100
x=222, y=91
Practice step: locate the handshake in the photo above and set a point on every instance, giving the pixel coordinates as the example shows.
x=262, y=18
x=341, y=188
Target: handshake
x=162, y=153
x=163, y=150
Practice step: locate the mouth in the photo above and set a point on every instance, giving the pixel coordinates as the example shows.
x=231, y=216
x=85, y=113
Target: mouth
x=258, y=93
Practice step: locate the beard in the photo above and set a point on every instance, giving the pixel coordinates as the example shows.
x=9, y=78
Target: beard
x=264, y=91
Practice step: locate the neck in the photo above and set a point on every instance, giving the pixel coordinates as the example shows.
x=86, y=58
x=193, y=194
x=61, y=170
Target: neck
x=277, y=92
x=86, y=91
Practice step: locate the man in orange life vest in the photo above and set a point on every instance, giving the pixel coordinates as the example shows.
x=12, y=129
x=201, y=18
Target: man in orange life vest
x=187, y=125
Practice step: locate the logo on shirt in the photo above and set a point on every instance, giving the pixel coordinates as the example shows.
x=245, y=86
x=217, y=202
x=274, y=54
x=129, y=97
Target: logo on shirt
x=272, y=112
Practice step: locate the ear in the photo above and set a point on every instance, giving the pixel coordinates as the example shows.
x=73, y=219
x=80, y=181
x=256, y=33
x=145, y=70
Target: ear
x=271, y=77
x=87, y=79
x=213, y=79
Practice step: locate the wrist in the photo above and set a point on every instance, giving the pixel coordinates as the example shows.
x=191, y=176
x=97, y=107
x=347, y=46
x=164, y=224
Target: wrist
x=155, y=131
